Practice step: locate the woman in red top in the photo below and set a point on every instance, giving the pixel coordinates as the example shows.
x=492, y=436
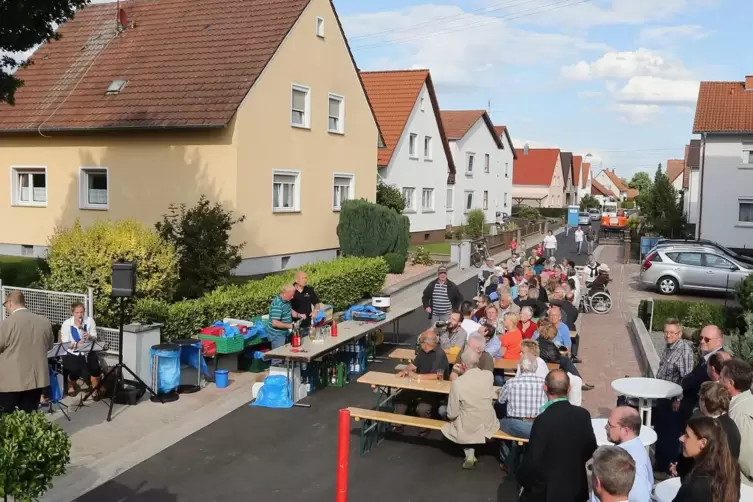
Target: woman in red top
x=526, y=325
x=512, y=337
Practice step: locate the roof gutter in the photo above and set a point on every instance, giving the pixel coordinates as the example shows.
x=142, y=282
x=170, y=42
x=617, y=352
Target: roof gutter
x=115, y=128
x=700, y=190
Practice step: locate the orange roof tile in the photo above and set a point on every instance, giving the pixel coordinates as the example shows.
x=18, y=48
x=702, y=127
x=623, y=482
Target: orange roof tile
x=599, y=189
x=586, y=171
x=500, y=130
x=168, y=54
x=622, y=187
x=632, y=193
x=393, y=95
x=503, y=130
x=577, y=162
x=458, y=122
x=535, y=167
x=724, y=107
x=675, y=167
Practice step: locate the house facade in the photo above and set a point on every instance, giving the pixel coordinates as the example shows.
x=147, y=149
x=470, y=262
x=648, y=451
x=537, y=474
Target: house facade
x=415, y=155
x=691, y=183
x=676, y=174
x=585, y=181
x=610, y=180
x=602, y=193
x=538, y=178
x=483, y=164
x=577, y=171
x=566, y=159
x=98, y=133
x=724, y=119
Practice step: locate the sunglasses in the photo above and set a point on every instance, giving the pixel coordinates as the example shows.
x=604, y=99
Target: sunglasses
x=706, y=339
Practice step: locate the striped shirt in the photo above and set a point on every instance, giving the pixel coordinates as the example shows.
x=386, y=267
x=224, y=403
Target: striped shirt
x=279, y=310
x=440, y=300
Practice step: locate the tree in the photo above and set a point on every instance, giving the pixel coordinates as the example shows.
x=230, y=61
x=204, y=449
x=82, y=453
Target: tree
x=201, y=236
x=371, y=230
x=24, y=24
x=588, y=201
x=389, y=196
x=641, y=181
x=663, y=209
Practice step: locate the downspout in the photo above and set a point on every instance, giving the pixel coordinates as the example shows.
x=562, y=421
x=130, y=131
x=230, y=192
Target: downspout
x=700, y=189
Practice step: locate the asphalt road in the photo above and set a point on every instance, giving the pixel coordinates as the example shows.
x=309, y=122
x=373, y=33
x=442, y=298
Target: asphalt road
x=267, y=454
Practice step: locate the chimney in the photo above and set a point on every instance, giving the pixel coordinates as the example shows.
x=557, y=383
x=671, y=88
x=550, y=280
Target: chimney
x=749, y=82
x=525, y=149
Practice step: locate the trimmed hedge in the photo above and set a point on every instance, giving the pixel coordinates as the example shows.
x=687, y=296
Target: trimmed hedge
x=546, y=212
x=371, y=230
x=19, y=271
x=691, y=314
x=340, y=283
x=395, y=262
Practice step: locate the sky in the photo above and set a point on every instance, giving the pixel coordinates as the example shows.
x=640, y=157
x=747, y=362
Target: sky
x=614, y=78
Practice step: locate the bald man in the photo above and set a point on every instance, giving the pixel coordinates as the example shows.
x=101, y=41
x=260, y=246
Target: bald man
x=715, y=363
x=623, y=429
x=305, y=301
x=711, y=343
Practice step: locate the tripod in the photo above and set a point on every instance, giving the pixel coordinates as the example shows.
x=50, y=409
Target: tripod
x=56, y=393
x=117, y=372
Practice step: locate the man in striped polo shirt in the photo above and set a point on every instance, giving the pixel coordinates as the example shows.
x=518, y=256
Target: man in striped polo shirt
x=441, y=296
x=281, y=317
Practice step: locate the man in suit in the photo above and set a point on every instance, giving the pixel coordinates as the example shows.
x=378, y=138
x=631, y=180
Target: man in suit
x=562, y=441
x=25, y=339
x=711, y=343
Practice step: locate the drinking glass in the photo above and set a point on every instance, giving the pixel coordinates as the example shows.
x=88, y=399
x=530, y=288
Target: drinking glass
x=440, y=376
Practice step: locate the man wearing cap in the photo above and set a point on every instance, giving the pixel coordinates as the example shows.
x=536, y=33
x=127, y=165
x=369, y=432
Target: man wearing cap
x=441, y=296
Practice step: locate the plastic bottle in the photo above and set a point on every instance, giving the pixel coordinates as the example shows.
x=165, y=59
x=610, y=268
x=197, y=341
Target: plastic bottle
x=334, y=328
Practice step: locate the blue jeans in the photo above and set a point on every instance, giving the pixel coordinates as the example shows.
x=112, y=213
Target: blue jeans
x=276, y=341
x=548, y=252
x=514, y=427
x=578, y=246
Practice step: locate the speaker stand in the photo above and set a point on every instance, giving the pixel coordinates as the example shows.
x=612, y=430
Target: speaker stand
x=117, y=372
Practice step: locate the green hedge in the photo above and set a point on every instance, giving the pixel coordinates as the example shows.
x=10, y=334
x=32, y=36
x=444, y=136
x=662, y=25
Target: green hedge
x=19, y=271
x=691, y=314
x=546, y=212
x=371, y=230
x=340, y=283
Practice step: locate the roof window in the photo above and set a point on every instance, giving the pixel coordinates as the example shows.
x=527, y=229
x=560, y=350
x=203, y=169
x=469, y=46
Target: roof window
x=116, y=86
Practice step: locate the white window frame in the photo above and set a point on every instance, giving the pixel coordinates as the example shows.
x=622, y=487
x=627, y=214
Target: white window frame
x=83, y=188
x=485, y=200
x=743, y=200
x=341, y=118
x=487, y=163
x=421, y=105
x=505, y=200
x=430, y=207
x=15, y=185
x=465, y=201
x=428, y=147
x=307, y=112
x=507, y=169
x=409, y=208
x=351, y=188
x=469, y=164
x=450, y=197
x=319, y=27
x=413, y=145
x=296, y=191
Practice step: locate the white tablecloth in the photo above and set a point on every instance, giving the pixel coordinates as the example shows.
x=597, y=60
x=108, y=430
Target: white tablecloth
x=647, y=435
x=646, y=388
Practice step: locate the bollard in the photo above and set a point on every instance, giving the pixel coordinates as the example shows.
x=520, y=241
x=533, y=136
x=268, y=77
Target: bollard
x=343, y=452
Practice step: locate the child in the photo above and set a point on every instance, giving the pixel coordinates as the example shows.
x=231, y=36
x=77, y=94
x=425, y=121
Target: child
x=514, y=245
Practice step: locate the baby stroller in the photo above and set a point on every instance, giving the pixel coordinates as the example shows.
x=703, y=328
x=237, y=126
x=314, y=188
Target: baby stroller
x=597, y=298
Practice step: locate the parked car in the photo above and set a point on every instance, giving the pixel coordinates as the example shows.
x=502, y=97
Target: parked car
x=745, y=260
x=691, y=266
x=584, y=219
x=595, y=214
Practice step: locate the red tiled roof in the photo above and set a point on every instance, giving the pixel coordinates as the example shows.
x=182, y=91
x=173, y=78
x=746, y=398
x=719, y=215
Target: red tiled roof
x=599, y=189
x=622, y=187
x=586, y=171
x=500, y=130
x=675, y=168
x=187, y=64
x=393, y=95
x=536, y=167
x=632, y=193
x=577, y=161
x=458, y=122
x=723, y=107
x=503, y=130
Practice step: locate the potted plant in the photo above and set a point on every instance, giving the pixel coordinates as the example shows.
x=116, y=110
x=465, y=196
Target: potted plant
x=33, y=451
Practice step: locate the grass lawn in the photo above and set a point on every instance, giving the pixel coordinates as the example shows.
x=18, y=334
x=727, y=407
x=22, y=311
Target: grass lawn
x=436, y=247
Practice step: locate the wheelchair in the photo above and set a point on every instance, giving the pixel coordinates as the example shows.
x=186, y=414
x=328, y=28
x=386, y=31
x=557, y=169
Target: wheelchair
x=597, y=300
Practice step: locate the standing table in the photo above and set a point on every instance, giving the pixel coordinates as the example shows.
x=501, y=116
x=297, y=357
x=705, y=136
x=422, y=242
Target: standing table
x=646, y=390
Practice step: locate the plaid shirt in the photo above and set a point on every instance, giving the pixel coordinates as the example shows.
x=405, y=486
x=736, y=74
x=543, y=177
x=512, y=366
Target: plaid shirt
x=676, y=361
x=524, y=396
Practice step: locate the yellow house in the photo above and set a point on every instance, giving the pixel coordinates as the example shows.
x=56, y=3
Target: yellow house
x=142, y=104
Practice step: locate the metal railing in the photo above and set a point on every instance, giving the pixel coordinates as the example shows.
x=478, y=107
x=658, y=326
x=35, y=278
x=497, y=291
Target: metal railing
x=109, y=336
x=54, y=305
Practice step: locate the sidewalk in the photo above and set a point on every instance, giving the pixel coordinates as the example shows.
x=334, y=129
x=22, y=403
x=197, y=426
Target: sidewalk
x=605, y=341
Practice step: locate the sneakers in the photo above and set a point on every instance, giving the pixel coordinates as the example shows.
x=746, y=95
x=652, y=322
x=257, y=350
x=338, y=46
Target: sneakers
x=469, y=463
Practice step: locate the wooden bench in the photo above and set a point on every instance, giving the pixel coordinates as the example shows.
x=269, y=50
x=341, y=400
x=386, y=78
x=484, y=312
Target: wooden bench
x=370, y=430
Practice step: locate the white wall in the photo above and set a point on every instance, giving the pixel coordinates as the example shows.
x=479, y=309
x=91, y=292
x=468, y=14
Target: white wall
x=582, y=192
x=607, y=182
x=538, y=195
x=421, y=172
x=557, y=188
x=726, y=180
x=691, y=197
x=480, y=141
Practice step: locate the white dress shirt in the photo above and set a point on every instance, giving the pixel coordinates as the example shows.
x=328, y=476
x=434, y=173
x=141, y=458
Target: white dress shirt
x=470, y=326
x=67, y=337
x=643, y=484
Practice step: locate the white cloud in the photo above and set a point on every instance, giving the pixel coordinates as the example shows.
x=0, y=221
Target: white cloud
x=636, y=113
x=658, y=91
x=462, y=50
x=624, y=65
x=667, y=35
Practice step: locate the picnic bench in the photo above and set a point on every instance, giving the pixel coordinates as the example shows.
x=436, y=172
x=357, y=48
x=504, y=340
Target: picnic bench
x=508, y=365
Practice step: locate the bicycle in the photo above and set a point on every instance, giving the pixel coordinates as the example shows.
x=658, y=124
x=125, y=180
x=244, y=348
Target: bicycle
x=479, y=253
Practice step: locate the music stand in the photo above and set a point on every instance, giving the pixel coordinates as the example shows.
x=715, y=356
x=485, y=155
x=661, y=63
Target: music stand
x=117, y=371
x=58, y=350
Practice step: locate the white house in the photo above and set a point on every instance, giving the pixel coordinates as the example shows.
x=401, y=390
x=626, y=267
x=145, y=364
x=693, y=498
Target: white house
x=585, y=181
x=568, y=176
x=484, y=164
x=676, y=174
x=415, y=155
x=538, y=178
x=611, y=181
x=724, y=119
x=691, y=182
x=602, y=193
